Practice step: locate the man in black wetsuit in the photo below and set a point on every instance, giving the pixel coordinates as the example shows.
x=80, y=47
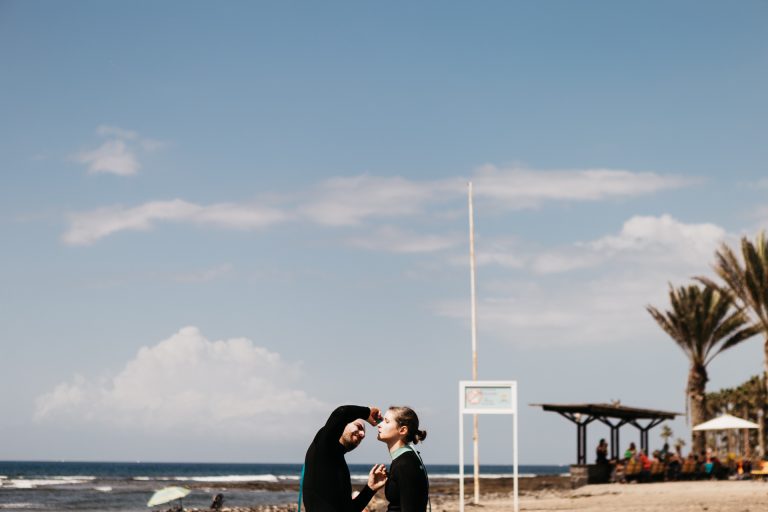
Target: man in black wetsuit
x=327, y=487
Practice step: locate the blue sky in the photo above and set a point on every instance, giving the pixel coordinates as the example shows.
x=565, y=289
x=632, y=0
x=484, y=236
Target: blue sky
x=219, y=221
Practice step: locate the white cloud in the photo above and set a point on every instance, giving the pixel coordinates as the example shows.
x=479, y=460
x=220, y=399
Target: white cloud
x=643, y=240
x=582, y=311
x=354, y=200
x=88, y=227
x=111, y=157
x=664, y=234
x=391, y=239
x=595, y=291
x=115, y=131
x=230, y=387
x=349, y=201
x=118, y=154
x=523, y=188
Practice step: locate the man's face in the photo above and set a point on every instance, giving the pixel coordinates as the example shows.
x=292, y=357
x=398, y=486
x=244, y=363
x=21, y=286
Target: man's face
x=353, y=433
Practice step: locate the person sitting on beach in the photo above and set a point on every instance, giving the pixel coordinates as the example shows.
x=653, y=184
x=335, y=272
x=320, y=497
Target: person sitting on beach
x=630, y=453
x=709, y=463
x=326, y=485
x=218, y=502
x=601, y=452
x=645, y=462
x=674, y=465
x=713, y=467
x=407, y=487
x=665, y=453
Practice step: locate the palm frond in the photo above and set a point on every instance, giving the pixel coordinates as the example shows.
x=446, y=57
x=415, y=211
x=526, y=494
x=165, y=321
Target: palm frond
x=703, y=322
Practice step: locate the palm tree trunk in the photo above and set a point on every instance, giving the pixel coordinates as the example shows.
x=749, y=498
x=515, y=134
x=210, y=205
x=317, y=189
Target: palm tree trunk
x=761, y=431
x=761, y=421
x=697, y=382
x=745, y=435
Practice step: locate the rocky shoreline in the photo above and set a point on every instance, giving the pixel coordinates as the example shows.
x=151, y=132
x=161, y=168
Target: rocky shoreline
x=441, y=492
x=553, y=494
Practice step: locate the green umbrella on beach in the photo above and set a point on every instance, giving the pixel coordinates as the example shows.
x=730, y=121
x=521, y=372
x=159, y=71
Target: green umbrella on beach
x=167, y=494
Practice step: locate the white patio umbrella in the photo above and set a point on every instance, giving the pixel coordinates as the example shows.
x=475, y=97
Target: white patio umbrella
x=167, y=494
x=726, y=422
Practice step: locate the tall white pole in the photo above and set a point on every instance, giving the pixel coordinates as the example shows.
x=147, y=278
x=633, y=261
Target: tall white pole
x=515, y=488
x=461, y=451
x=476, y=456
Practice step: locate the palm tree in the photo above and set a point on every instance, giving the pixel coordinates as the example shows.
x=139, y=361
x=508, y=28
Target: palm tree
x=666, y=433
x=755, y=404
x=748, y=400
x=703, y=324
x=748, y=283
x=679, y=443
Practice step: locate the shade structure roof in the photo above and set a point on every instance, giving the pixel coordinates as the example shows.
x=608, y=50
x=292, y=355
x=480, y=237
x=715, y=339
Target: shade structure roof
x=609, y=411
x=726, y=422
x=614, y=415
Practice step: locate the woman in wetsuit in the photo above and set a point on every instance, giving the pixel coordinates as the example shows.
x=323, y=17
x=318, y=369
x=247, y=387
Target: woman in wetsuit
x=407, y=488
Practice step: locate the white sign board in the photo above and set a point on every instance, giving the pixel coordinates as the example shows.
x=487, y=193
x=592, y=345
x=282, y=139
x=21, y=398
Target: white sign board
x=487, y=397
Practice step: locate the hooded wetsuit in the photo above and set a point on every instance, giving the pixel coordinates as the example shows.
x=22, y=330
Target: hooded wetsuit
x=407, y=488
x=327, y=487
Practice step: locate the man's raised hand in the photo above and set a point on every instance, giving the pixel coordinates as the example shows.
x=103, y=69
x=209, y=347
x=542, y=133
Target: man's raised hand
x=375, y=417
x=377, y=477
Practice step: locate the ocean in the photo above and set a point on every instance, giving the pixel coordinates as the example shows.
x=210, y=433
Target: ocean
x=126, y=487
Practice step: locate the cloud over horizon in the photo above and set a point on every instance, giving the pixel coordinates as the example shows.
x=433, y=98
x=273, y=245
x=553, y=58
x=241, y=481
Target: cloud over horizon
x=228, y=387
x=595, y=291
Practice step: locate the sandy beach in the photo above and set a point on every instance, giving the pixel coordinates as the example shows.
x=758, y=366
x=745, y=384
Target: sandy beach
x=710, y=496
x=553, y=494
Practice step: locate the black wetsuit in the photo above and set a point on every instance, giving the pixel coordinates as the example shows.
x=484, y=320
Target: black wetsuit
x=407, y=487
x=327, y=487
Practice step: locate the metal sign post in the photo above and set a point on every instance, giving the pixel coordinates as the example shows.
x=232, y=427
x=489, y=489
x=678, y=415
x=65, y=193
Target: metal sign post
x=487, y=397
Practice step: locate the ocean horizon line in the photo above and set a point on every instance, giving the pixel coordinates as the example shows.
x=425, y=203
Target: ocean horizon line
x=169, y=462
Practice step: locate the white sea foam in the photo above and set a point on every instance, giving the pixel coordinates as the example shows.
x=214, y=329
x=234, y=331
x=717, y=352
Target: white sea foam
x=31, y=483
x=489, y=476
x=455, y=476
x=104, y=488
x=229, y=478
x=142, y=478
x=20, y=505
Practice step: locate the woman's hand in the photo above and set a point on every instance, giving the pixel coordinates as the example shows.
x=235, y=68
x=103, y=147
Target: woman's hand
x=375, y=416
x=377, y=477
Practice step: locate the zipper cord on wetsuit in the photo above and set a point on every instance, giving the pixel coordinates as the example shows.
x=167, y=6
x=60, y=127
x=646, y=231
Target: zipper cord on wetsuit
x=424, y=467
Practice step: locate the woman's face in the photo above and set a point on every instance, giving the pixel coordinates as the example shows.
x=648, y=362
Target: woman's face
x=389, y=429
